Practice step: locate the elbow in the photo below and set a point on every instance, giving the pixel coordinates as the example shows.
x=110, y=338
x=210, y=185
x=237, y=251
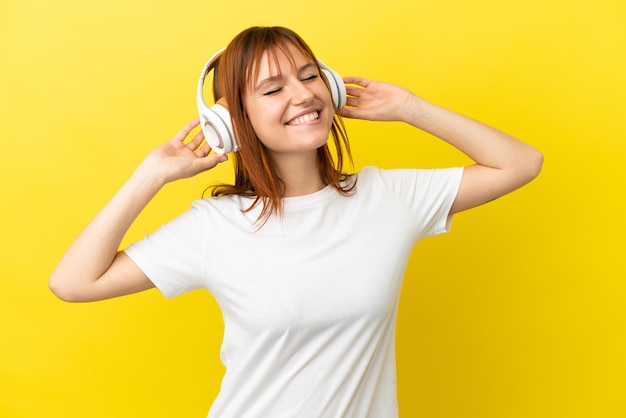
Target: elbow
x=528, y=166
x=62, y=290
x=534, y=164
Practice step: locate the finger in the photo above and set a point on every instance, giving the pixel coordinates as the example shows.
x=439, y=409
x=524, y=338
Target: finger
x=203, y=151
x=347, y=112
x=182, y=134
x=360, y=81
x=352, y=102
x=354, y=113
x=196, y=141
x=353, y=91
x=214, y=159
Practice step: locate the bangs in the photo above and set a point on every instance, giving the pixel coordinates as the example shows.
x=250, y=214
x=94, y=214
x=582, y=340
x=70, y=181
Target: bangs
x=273, y=41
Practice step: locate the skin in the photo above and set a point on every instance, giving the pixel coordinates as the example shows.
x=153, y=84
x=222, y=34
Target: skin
x=93, y=268
x=275, y=101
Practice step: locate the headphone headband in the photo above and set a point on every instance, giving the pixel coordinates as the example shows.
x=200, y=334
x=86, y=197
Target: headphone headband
x=205, y=71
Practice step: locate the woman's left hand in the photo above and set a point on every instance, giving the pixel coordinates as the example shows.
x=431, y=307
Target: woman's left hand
x=375, y=100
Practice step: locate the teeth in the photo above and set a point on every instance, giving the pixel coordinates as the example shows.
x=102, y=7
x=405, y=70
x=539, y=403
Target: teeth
x=304, y=118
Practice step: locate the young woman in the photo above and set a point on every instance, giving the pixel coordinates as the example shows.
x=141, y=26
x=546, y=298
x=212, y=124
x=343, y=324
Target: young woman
x=305, y=260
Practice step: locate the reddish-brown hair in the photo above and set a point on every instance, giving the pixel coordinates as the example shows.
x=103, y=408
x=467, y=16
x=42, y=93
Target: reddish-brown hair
x=256, y=174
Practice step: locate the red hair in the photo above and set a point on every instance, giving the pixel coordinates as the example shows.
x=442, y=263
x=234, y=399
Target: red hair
x=256, y=174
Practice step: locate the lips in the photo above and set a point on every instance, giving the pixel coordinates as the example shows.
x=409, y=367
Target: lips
x=305, y=118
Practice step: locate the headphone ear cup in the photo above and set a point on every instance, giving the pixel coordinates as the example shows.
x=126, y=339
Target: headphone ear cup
x=215, y=121
x=218, y=129
x=337, y=87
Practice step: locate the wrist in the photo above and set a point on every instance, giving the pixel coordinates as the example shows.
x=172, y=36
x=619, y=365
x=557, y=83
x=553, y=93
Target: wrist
x=413, y=110
x=147, y=176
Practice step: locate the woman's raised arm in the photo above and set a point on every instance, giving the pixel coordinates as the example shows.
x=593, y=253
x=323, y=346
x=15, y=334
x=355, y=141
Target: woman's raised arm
x=93, y=268
x=503, y=163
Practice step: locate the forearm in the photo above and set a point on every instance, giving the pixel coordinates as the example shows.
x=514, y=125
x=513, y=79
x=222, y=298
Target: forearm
x=485, y=145
x=93, y=251
x=503, y=163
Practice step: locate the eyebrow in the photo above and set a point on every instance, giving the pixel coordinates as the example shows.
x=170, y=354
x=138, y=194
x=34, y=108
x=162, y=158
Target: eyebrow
x=279, y=76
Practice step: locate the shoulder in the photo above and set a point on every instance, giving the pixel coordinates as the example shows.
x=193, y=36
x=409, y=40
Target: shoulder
x=231, y=202
x=224, y=213
x=389, y=177
x=412, y=184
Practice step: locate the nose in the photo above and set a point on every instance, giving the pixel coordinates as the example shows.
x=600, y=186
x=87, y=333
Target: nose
x=302, y=94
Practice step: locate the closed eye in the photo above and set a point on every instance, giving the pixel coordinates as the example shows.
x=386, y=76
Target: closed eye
x=278, y=89
x=271, y=92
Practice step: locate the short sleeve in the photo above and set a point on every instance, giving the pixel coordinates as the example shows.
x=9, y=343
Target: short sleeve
x=426, y=194
x=173, y=256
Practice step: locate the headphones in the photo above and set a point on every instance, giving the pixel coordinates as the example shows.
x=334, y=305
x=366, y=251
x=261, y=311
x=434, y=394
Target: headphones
x=216, y=122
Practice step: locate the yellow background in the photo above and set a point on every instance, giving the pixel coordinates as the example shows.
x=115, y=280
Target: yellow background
x=519, y=312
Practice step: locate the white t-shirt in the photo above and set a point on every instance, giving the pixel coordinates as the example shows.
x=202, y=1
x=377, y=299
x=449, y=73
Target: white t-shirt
x=309, y=301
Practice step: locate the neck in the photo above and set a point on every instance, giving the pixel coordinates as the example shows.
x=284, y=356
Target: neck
x=300, y=173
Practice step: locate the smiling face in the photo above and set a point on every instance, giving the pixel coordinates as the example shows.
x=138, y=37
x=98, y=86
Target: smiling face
x=288, y=103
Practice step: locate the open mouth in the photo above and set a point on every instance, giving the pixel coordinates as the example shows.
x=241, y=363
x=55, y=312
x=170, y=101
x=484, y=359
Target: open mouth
x=300, y=120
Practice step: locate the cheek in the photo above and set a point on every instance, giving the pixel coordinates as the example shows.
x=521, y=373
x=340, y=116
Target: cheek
x=268, y=113
x=258, y=121
x=262, y=122
x=323, y=92
x=251, y=113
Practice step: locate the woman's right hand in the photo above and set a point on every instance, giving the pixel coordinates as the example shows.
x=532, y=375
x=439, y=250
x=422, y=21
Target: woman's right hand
x=182, y=158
